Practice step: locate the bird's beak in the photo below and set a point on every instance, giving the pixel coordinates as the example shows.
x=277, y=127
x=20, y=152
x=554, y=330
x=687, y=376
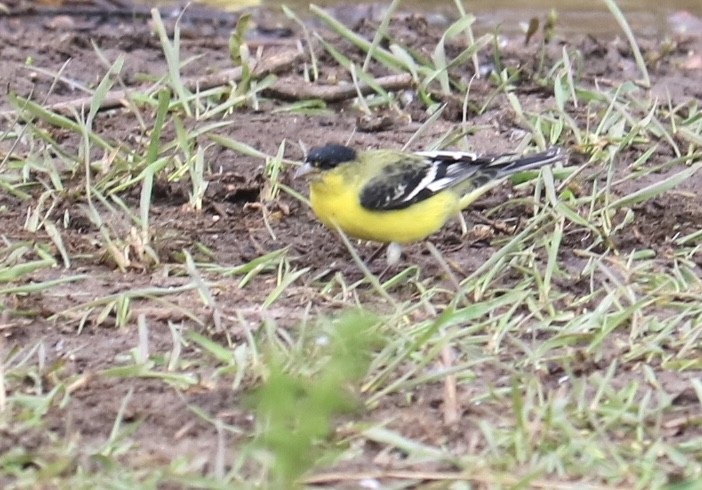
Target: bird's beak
x=306, y=169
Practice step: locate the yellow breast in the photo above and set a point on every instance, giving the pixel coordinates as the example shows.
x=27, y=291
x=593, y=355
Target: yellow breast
x=336, y=203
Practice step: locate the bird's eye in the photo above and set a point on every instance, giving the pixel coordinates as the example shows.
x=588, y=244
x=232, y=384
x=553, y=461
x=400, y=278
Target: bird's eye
x=329, y=156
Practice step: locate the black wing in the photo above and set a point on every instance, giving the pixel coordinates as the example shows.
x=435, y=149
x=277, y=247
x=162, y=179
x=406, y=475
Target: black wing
x=417, y=177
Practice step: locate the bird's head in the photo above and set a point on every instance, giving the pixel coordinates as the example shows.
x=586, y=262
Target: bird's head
x=324, y=158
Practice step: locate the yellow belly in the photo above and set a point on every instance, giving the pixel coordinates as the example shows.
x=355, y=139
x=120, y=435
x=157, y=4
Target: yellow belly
x=337, y=205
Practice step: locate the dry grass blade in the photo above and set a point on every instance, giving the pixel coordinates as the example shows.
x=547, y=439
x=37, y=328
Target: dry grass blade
x=621, y=20
x=436, y=476
x=657, y=188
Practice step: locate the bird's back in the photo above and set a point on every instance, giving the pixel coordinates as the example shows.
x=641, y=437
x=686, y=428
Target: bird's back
x=414, y=177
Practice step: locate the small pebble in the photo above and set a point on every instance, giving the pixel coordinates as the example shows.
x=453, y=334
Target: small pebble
x=60, y=23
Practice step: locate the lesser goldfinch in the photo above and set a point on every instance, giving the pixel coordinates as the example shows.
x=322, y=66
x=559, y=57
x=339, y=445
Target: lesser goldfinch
x=399, y=197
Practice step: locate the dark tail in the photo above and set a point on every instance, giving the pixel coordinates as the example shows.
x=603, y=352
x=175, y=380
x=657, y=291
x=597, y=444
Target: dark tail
x=493, y=170
x=509, y=164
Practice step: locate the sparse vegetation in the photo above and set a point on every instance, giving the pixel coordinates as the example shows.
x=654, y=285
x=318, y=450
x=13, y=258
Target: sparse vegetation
x=173, y=317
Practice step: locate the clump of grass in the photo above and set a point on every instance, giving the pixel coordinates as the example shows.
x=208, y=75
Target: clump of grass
x=295, y=408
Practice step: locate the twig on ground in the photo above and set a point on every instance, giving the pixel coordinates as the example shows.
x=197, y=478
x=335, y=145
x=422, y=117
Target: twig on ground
x=287, y=89
x=450, y=476
x=294, y=89
x=117, y=98
x=451, y=410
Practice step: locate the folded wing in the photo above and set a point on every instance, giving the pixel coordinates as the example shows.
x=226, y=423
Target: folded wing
x=416, y=177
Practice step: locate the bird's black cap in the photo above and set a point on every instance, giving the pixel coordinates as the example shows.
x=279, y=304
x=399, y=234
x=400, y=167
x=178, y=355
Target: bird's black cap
x=329, y=156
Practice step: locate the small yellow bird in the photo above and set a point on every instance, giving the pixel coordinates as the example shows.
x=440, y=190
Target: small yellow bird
x=399, y=197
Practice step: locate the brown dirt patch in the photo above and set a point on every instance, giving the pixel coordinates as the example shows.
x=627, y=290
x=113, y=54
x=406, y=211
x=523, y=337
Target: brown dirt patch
x=231, y=226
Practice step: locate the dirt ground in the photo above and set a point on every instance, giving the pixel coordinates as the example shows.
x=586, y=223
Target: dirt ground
x=35, y=46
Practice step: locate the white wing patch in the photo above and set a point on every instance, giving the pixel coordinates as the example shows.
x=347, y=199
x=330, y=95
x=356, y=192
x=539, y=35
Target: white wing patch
x=449, y=173
x=426, y=183
x=399, y=192
x=439, y=184
x=448, y=155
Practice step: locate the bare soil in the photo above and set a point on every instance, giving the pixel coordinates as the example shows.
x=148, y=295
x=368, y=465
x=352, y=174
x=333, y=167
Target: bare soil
x=231, y=224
